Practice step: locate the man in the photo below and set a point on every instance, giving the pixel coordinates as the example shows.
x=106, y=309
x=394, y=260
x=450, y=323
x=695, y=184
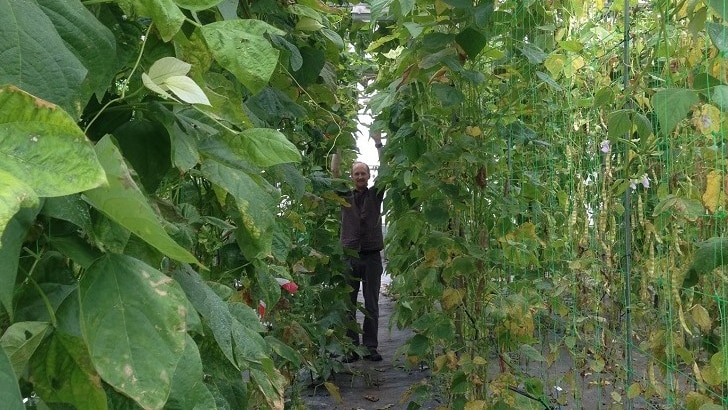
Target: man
x=362, y=239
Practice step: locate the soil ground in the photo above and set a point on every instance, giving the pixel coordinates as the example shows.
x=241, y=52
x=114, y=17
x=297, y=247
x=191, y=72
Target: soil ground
x=373, y=385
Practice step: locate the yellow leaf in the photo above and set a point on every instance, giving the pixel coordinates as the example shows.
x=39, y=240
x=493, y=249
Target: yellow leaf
x=555, y=64
x=333, y=391
x=451, y=298
x=475, y=405
x=701, y=317
x=711, y=377
x=574, y=65
x=707, y=119
x=479, y=361
x=634, y=390
x=616, y=397
x=440, y=362
x=713, y=197
x=473, y=131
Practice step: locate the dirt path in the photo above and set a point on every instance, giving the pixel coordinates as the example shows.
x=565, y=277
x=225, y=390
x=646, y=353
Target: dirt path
x=373, y=385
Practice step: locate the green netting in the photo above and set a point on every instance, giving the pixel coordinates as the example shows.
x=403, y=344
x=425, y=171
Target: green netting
x=572, y=207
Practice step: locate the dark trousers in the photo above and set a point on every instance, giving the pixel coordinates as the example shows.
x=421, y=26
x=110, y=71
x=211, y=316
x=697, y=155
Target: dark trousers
x=366, y=270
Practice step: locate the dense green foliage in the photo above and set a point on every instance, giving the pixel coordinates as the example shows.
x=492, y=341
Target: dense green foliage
x=554, y=195
x=162, y=171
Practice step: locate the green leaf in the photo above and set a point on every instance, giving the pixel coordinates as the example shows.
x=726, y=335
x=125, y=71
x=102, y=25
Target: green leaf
x=719, y=7
x=533, y=53
x=270, y=383
x=719, y=34
x=263, y=147
x=333, y=37
x=254, y=203
x=70, y=208
x=548, y=80
x=90, y=41
x=188, y=389
x=720, y=97
x=42, y=146
x=284, y=351
x=239, y=47
x=14, y=194
x=133, y=321
x=531, y=353
x=125, y=204
x=35, y=57
x=449, y=95
x=266, y=287
x=619, y=123
x=184, y=133
x=672, y=106
x=197, y=5
x=688, y=208
x=710, y=254
x=9, y=390
x=20, y=341
x=472, y=41
x=167, y=17
x=63, y=373
x=604, y=96
x=11, y=241
x=145, y=145
x=219, y=318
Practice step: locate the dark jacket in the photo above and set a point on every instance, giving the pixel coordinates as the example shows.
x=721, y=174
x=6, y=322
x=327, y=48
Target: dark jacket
x=361, y=223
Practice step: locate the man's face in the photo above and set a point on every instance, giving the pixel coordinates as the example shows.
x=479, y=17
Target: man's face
x=360, y=176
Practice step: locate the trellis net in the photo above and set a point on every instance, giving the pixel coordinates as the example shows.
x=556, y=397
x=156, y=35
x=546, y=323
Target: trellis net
x=562, y=197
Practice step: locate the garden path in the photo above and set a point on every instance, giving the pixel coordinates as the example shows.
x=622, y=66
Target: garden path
x=373, y=385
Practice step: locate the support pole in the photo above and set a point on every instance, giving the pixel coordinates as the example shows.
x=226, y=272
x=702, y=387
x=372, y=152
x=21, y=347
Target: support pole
x=627, y=219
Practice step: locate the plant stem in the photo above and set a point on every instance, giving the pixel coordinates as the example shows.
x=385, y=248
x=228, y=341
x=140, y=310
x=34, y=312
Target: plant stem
x=123, y=89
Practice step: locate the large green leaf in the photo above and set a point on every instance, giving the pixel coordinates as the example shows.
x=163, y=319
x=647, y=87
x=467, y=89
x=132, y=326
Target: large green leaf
x=166, y=16
x=720, y=7
x=124, y=203
x=239, y=46
x=188, y=390
x=42, y=146
x=197, y=4
x=13, y=194
x=20, y=341
x=9, y=390
x=710, y=254
x=146, y=146
x=11, y=241
x=69, y=208
x=255, y=204
x=63, y=373
x=229, y=323
x=263, y=147
x=672, y=106
x=472, y=41
x=89, y=40
x=133, y=321
x=35, y=57
x=719, y=34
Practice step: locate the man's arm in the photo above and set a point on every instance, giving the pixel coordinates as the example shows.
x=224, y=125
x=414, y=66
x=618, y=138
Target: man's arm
x=377, y=137
x=336, y=164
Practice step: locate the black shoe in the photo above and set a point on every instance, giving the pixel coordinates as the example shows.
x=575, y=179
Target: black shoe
x=351, y=358
x=373, y=356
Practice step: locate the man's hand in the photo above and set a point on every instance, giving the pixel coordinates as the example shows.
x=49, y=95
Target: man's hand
x=377, y=137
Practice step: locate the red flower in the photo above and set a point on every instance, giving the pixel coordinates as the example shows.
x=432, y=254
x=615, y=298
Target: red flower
x=286, y=284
